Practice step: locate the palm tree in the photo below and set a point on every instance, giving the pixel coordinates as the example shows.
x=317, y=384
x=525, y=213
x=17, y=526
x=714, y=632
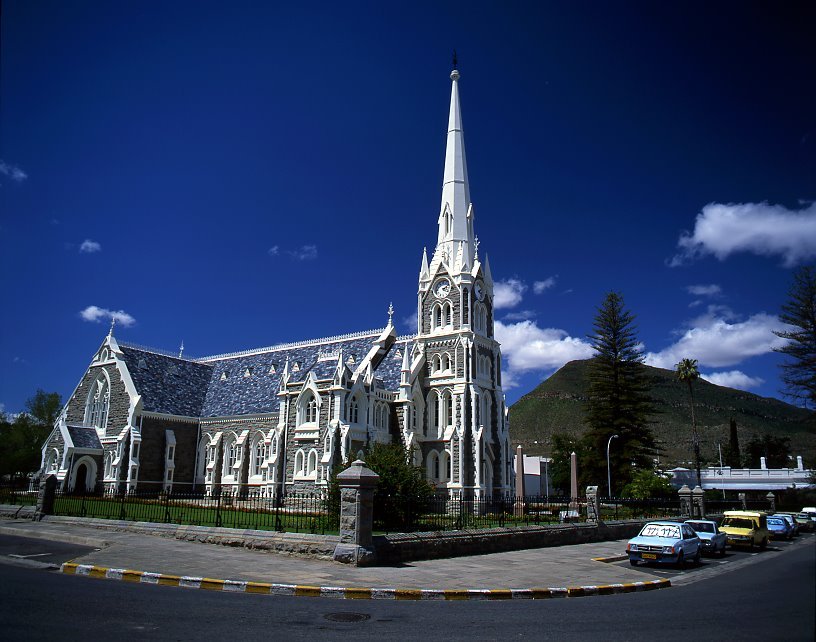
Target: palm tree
x=687, y=371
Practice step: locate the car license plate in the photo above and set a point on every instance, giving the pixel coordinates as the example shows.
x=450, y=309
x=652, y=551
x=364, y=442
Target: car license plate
x=649, y=556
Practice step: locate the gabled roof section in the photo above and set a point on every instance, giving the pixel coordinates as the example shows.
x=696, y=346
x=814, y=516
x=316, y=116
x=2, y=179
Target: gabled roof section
x=84, y=437
x=167, y=384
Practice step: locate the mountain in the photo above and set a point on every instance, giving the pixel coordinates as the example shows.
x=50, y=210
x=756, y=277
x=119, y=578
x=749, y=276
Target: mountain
x=558, y=403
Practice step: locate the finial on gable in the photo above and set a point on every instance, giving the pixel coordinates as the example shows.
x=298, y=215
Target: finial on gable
x=113, y=323
x=476, y=248
x=390, y=314
x=181, y=348
x=455, y=73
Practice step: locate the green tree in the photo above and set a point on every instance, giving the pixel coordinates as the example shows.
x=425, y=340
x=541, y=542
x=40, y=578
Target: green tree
x=619, y=400
x=688, y=373
x=21, y=439
x=563, y=445
x=734, y=456
x=402, y=491
x=799, y=312
x=647, y=483
x=44, y=407
x=775, y=450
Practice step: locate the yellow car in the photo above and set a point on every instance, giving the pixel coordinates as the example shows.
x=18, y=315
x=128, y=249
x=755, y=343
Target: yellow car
x=745, y=528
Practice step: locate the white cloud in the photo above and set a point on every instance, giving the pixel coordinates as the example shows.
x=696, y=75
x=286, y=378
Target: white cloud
x=12, y=171
x=96, y=314
x=733, y=379
x=712, y=290
x=767, y=230
x=89, y=247
x=546, y=284
x=274, y=250
x=508, y=294
x=521, y=315
x=526, y=347
x=717, y=340
x=304, y=253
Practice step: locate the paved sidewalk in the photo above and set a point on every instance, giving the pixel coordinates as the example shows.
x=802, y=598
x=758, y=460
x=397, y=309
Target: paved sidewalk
x=545, y=567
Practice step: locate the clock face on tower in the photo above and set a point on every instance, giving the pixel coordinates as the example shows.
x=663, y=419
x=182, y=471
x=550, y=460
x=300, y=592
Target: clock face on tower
x=478, y=290
x=442, y=288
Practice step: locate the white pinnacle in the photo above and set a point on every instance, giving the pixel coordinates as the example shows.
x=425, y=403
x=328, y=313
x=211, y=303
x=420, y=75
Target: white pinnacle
x=455, y=218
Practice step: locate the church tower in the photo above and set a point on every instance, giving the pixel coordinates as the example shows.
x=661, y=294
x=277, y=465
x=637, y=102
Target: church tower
x=458, y=419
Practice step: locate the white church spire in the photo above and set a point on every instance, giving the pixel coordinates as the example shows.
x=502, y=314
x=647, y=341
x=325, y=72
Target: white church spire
x=456, y=212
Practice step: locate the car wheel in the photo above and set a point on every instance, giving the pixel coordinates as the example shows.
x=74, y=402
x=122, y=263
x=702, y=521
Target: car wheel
x=764, y=543
x=681, y=560
x=633, y=562
x=697, y=558
x=722, y=551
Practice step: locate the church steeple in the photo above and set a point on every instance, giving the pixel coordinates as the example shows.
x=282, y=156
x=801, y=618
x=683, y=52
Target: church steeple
x=456, y=212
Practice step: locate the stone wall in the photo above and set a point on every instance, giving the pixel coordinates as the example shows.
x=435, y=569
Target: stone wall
x=398, y=548
x=119, y=400
x=154, y=448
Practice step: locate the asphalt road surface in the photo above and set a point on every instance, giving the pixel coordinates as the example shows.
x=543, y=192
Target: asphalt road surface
x=13, y=547
x=771, y=599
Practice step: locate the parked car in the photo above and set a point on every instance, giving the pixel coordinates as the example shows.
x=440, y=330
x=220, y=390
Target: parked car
x=791, y=520
x=806, y=524
x=745, y=528
x=779, y=528
x=665, y=543
x=711, y=538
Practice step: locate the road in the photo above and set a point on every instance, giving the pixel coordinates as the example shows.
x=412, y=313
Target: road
x=770, y=598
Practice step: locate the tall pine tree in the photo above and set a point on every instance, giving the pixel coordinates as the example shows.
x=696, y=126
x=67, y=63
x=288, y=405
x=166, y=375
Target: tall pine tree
x=619, y=401
x=799, y=312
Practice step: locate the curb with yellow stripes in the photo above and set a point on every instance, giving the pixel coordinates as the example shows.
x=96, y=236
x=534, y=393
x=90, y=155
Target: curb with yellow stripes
x=359, y=593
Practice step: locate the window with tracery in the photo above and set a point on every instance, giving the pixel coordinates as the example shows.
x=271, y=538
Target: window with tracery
x=98, y=404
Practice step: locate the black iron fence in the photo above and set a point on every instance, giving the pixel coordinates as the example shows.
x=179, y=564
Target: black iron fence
x=243, y=507
x=460, y=511
x=615, y=508
x=18, y=492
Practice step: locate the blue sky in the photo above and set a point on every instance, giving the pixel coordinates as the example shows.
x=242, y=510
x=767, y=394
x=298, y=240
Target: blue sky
x=234, y=175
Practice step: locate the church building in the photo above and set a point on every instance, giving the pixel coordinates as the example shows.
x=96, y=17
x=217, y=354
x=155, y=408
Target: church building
x=279, y=419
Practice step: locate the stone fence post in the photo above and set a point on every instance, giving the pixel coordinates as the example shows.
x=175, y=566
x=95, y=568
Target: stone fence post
x=698, y=501
x=772, y=501
x=593, y=505
x=357, y=485
x=45, y=498
x=685, y=500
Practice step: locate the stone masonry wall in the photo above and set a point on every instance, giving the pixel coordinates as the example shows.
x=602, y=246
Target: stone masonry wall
x=119, y=400
x=403, y=547
x=152, y=455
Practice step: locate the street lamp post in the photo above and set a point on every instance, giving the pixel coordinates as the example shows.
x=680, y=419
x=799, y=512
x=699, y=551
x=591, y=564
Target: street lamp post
x=608, y=467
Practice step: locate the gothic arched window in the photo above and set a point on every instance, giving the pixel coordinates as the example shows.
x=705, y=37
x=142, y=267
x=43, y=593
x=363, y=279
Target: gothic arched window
x=98, y=403
x=307, y=408
x=258, y=454
x=300, y=463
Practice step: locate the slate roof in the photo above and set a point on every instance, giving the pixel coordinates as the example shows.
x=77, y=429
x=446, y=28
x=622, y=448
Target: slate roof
x=168, y=384
x=389, y=372
x=84, y=437
x=246, y=382
x=232, y=392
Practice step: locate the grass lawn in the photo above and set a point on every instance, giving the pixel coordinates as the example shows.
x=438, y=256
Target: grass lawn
x=195, y=514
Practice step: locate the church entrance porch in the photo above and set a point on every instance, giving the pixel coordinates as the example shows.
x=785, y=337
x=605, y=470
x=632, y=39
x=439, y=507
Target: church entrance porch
x=83, y=475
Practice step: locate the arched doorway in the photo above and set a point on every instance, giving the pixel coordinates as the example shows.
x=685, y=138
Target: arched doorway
x=80, y=485
x=83, y=475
